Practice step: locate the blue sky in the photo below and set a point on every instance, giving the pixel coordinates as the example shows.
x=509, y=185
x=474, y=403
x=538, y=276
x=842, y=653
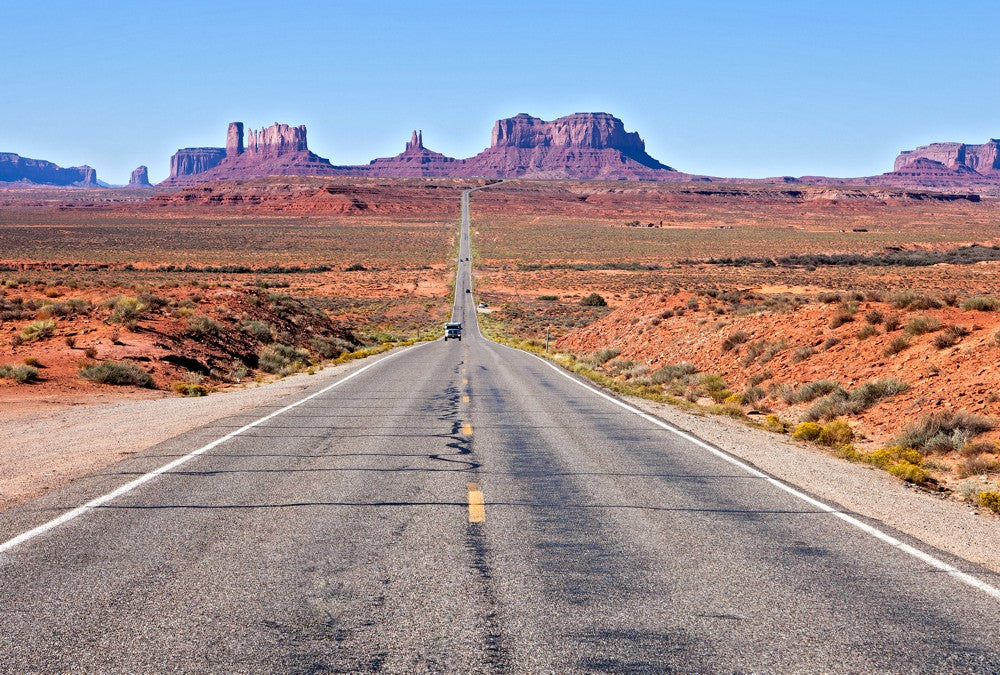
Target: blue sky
x=722, y=88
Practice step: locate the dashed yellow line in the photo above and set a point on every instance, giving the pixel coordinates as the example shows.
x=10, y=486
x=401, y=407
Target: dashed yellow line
x=467, y=429
x=465, y=382
x=465, y=399
x=477, y=508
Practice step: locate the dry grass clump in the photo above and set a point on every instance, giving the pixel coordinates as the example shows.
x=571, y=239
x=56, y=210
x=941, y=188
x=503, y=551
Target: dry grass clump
x=841, y=402
x=282, y=359
x=38, y=330
x=811, y=391
x=898, y=344
x=733, y=340
x=672, y=372
x=949, y=336
x=913, y=301
x=919, y=325
x=982, y=303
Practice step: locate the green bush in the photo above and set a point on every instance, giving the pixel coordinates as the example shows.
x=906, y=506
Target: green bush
x=118, y=373
x=594, y=300
x=19, y=373
x=807, y=431
x=38, y=330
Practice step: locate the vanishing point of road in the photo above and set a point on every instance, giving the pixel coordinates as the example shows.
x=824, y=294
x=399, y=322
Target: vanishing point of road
x=464, y=506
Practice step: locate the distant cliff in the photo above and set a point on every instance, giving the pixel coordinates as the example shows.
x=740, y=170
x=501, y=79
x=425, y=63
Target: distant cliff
x=17, y=169
x=981, y=159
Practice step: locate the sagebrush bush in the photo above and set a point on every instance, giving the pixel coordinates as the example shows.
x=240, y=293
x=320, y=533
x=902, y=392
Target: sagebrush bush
x=201, y=325
x=841, y=402
x=892, y=322
x=920, y=325
x=594, y=300
x=943, y=431
x=949, y=336
x=602, y=356
x=973, y=466
x=261, y=330
x=19, y=373
x=898, y=344
x=126, y=310
x=811, y=391
x=753, y=394
x=118, y=373
x=733, y=340
x=874, y=317
x=802, y=353
x=282, y=359
x=38, y=330
x=867, y=331
x=840, y=318
x=672, y=372
x=982, y=303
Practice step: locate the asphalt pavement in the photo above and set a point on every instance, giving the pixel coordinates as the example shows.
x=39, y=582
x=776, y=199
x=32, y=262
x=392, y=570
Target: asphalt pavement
x=462, y=506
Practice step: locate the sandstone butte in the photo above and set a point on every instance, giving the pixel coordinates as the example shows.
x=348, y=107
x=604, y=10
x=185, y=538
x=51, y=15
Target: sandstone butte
x=139, y=177
x=17, y=169
x=581, y=146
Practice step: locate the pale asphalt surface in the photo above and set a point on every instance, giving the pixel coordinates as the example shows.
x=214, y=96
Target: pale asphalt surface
x=336, y=537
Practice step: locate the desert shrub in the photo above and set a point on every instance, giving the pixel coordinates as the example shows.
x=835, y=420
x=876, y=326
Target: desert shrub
x=802, y=353
x=982, y=303
x=753, y=394
x=874, y=317
x=733, y=340
x=811, y=391
x=973, y=466
x=920, y=325
x=949, y=336
x=891, y=322
x=943, y=431
x=715, y=387
x=594, y=300
x=32, y=361
x=910, y=300
x=898, y=344
x=191, y=389
x=118, y=373
x=19, y=373
x=840, y=318
x=867, y=331
x=330, y=348
x=807, y=431
x=836, y=433
x=754, y=349
x=672, y=372
x=762, y=376
x=153, y=301
x=602, y=356
x=355, y=267
x=840, y=402
x=831, y=341
x=37, y=330
x=974, y=449
x=909, y=472
x=282, y=359
x=261, y=330
x=990, y=500
x=828, y=298
x=201, y=325
x=126, y=310
x=775, y=424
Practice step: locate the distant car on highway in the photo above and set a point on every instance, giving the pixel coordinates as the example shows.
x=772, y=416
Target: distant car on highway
x=453, y=331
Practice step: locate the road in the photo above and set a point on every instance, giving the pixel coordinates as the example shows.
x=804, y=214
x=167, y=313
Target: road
x=464, y=506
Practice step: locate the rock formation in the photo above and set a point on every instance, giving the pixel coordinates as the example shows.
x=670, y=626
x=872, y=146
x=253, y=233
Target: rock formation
x=415, y=160
x=279, y=149
x=139, y=178
x=191, y=161
x=582, y=145
x=982, y=159
x=17, y=169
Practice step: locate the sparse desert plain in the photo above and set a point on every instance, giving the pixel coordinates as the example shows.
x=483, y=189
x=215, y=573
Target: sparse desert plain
x=870, y=315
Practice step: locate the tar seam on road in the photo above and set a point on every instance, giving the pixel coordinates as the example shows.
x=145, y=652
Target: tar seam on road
x=936, y=563
x=477, y=507
x=145, y=478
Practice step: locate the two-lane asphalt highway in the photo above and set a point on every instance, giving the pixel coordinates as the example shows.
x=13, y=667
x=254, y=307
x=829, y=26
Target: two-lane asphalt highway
x=463, y=506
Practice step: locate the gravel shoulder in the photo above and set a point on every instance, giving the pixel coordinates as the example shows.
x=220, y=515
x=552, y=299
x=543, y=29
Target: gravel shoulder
x=950, y=526
x=51, y=446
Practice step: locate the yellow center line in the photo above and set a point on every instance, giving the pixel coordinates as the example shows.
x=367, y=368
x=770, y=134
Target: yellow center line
x=467, y=429
x=465, y=399
x=477, y=508
x=465, y=382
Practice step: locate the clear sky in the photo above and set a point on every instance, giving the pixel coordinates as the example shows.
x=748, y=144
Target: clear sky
x=722, y=88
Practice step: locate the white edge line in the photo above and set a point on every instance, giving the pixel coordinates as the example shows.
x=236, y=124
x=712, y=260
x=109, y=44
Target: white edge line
x=145, y=478
x=936, y=563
